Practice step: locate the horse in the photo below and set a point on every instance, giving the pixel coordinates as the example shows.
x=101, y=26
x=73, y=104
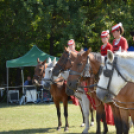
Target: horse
x=118, y=76
x=57, y=90
x=63, y=65
x=73, y=79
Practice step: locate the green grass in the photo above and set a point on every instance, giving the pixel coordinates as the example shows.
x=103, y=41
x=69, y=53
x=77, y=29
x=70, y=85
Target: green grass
x=41, y=119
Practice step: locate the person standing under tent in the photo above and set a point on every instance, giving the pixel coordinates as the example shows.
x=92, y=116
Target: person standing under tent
x=119, y=43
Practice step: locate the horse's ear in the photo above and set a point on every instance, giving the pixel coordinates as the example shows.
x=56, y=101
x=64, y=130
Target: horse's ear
x=65, y=48
x=49, y=60
x=38, y=60
x=110, y=56
x=85, y=54
x=44, y=61
x=82, y=49
x=54, y=61
x=102, y=60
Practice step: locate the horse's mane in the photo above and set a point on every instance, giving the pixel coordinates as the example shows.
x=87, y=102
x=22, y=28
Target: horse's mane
x=81, y=52
x=125, y=54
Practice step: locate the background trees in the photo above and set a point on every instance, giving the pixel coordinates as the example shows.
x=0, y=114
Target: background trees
x=50, y=23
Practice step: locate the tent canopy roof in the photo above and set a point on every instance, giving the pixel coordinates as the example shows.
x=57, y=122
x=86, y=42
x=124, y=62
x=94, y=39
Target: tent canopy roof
x=29, y=59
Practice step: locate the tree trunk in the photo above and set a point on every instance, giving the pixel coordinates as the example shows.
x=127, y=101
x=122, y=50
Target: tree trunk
x=51, y=44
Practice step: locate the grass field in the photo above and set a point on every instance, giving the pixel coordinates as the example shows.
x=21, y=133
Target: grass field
x=41, y=119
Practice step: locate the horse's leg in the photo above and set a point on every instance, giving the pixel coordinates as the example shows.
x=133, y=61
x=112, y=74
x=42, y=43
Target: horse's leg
x=98, y=119
x=58, y=114
x=83, y=123
x=85, y=108
x=104, y=122
x=65, y=103
x=124, y=118
x=131, y=112
x=92, y=115
x=101, y=115
x=117, y=119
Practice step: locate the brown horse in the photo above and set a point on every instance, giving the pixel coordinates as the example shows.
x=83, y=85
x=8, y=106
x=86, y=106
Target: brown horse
x=57, y=91
x=72, y=83
x=63, y=65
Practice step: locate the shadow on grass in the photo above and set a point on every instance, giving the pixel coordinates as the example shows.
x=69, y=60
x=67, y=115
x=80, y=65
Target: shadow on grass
x=36, y=130
x=42, y=130
x=5, y=105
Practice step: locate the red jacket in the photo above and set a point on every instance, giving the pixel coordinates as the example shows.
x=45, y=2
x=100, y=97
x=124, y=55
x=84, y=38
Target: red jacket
x=104, y=50
x=122, y=43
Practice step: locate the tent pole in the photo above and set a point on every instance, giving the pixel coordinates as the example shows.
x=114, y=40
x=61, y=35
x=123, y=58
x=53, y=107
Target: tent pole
x=22, y=77
x=7, y=82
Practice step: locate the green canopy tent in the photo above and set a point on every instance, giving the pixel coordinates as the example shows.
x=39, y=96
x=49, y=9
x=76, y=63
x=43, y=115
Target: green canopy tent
x=28, y=60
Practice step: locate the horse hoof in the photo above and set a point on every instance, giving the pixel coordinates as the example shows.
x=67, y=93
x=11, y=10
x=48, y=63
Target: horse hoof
x=66, y=129
x=58, y=128
x=82, y=125
x=92, y=124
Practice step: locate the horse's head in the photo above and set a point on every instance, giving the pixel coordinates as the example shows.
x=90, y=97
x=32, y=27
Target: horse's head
x=111, y=80
x=49, y=79
x=65, y=62
x=79, y=69
x=39, y=72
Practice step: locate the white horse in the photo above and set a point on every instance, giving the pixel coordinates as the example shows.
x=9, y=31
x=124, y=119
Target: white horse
x=82, y=97
x=116, y=74
x=122, y=73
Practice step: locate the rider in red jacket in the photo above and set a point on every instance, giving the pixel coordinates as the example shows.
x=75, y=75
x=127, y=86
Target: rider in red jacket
x=119, y=41
x=71, y=45
x=106, y=45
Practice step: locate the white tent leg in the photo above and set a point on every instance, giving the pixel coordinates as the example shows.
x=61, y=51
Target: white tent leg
x=7, y=82
x=22, y=77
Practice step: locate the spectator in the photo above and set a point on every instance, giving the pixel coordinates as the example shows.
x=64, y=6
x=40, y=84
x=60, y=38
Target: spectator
x=28, y=81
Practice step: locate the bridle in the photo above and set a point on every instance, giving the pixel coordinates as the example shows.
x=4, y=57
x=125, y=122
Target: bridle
x=80, y=74
x=51, y=78
x=62, y=67
x=86, y=69
x=37, y=76
x=109, y=73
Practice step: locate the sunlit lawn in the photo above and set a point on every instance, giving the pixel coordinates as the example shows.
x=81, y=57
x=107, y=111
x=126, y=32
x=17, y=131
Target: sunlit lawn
x=40, y=118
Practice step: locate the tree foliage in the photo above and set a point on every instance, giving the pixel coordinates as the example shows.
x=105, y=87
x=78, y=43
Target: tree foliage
x=50, y=23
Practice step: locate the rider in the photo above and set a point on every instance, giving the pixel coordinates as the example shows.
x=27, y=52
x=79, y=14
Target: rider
x=132, y=33
x=106, y=45
x=119, y=42
x=71, y=45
